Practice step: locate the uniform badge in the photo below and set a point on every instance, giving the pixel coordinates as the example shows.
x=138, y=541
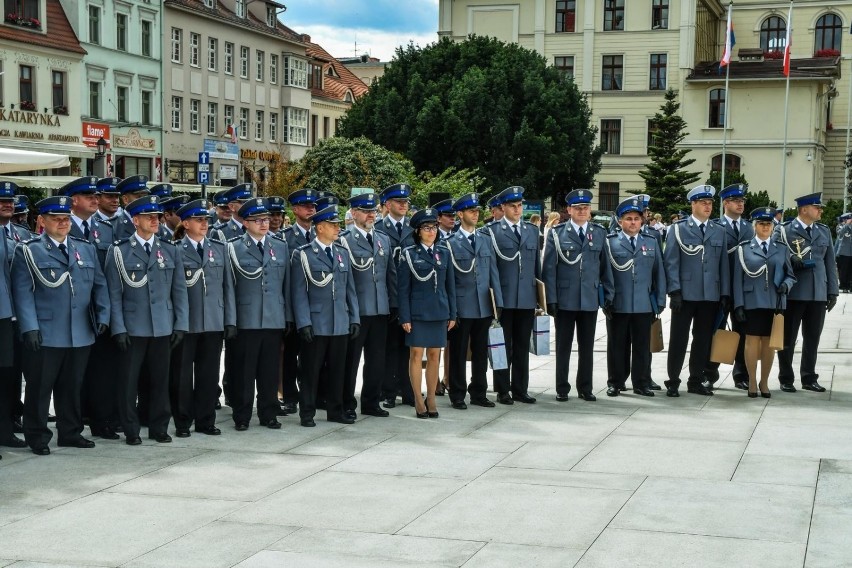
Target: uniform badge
x=160, y=258
x=188, y=273
x=210, y=255
x=271, y=252
x=53, y=274
x=133, y=276
x=340, y=260
x=438, y=259
x=381, y=248
x=77, y=256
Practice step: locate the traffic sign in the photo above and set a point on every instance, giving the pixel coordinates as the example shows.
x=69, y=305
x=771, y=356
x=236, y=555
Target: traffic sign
x=203, y=167
x=203, y=177
x=204, y=157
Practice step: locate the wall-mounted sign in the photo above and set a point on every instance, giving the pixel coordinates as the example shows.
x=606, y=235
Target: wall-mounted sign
x=92, y=131
x=133, y=141
x=263, y=155
x=221, y=149
x=227, y=172
x=26, y=117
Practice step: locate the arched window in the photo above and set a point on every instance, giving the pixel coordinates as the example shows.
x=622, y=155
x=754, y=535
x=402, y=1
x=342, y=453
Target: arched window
x=828, y=32
x=717, y=109
x=732, y=163
x=773, y=34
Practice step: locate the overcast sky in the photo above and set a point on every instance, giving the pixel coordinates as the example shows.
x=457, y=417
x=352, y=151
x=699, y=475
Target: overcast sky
x=378, y=26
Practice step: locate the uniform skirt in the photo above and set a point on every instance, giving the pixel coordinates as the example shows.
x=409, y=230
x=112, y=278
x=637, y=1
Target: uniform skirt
x=427, y=334
x=758, y=322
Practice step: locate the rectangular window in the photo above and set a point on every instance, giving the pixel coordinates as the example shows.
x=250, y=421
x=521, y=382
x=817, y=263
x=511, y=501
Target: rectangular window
x=194, y=40
x=611, y=136
x=240, y=8
x=25, y=9
x=182, y=172
x=613, y=72
x=177, y=112
x=94, y=99
x=121, y=104
x=147, y=107
x=565, y=64
x=326, y=123
x=717, y=108
x=660, y=15
x=25, y=82
x=194, y=112
x=273, y=126
x=121, y=32
x=244, y=62
x=258, y=125
x=2, y=72
x=212, y=115
x=658, y=71
x=244, y=114
x=613, y=15
x=58, y=90
x=273, y=69
x=229, y=58
x=566, y=14
x=229, y=116
x=261, y=64
x=608, y=196
x=652, y=134
x=146, y=38
x=314, y=76
x=296, y=126
x=212, y=53
x=94, y=25
x=210, y=3
x=271, y=16
x=177, y=41
x=295, y=72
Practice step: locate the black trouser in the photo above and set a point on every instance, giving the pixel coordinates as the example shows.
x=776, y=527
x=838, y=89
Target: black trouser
x=631, y=333
x=711, y=372
x=701, y=316
x=371, y=341
x=154, y=354
x=256, y=353
x=11, y=381
x=323, y=349
x=194, y=379
x=473, y=332
x=810, y=316
x=100, y=395
x=517, y=328
x=58, y=371
x=396, y=365
x=7, y=357
x=844, y=269
x=614, y=350
x=229, y=371
x=290, y=368
x=585, y=322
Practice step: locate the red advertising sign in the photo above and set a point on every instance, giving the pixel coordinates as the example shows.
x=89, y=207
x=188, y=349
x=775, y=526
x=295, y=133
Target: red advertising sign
x=92, y=131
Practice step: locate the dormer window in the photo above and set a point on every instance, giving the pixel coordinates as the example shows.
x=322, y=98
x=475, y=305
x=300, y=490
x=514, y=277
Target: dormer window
x=271, y=16
x=348, y=98
x=24, y=13
x=240, y=8
x=210, y=3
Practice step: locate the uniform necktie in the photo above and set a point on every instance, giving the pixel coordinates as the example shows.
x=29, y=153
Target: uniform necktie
x=260, y=247
x=517, y=232
x=63, y=250
x=8, y=234
x=429, y=252
x=328, y=254
x=581, y=234
x=633, y=243
x=399, y=228
x=200, y=250
x=147, y=248
x=472, y=240
x=86, y=229
x=370, y=239
x=737, y=229
x=808, y=230
x=243, y=229
x=701, y=226
x=765, y=249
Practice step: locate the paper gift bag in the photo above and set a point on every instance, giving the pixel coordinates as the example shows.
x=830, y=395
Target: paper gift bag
x=497, y=348
x=723, y=349
x=776, y=339
x=540, y=336
x=656, y=335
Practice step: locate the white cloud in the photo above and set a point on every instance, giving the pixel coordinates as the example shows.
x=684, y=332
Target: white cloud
x=378, y=43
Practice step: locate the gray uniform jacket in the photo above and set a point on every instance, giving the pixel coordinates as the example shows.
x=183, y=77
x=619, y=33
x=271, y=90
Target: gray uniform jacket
x=147, y=292
x=64, y=299
x=697, y=267
x=575, y=272
x=757, y=275
x=7, y=252
x=426, y=285
x=843, y=243
x=398, y=242
x=262, y=282
x=373, y=270
x=323, y=290
x=732, y=242
x=518, y=262
x=813, y=284
x=228, y=231
x=475, y=270
x=122, y=225
x=100, y=235
x=19, y=233
x=295, y=238
x=639, y=276
x=209, y=286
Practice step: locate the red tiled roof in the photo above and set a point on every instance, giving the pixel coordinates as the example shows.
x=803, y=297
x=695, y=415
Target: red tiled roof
x=60, y=35
x=334, y=87
x=221, y=12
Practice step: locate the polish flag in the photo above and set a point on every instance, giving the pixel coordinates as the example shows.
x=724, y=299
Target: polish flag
x=232, y=131
x=730, y=40
x=788, y=41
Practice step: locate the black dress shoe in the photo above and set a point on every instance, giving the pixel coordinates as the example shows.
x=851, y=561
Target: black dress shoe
x=272, y=424
x=524, y=397
x=654, y=386
x=375, y=412
x=13, y=442
x=241, y=426
x=699, y=389
x=766, y=394
x=41, y=451
x=741, y=384
x=209, y=430
x=389, y=403
x=421, y=414
x=80, y=442
x=308, y=422
x=707, y=385
x=160, y=438
x=785, y=387
x=560, y=397
x=459, y=405
x=290, y=407
x=280, y=411
x=505, y=398
x=341, y=420
x=612, y=391
x=814, y=386
x=351, y=414
x=432, y=414
x=482, y=402
x=106, y=433
x=752, y=394
x=182, y=433
x=133, y=440
x=672, y=392
x=644, y=391
x=587, y=396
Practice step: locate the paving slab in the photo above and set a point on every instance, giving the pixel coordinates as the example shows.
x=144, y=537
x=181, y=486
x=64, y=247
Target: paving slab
x=835, y=466
x=267, y=558
x=547, y=455
x=497, y=555
x=567, y=427
x=829, y=545
x=515, y=475
x=341, y=443
x=833, y=441
x=694, y=425
x=835, y=490
x=779, y=470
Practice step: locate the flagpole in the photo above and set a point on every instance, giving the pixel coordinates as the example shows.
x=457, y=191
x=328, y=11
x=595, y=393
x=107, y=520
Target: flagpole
x=846, y=155
x=727, y=103
x=786, y=114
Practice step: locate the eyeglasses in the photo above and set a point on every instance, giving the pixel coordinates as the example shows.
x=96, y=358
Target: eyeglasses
x=429, y=228
x=262, y=221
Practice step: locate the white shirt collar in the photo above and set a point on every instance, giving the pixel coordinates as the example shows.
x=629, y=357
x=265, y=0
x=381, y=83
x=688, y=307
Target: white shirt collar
x=395, y=220
x=363, y=232
x=760, y=242
x=143, y=241
x=697, y=222
x=732, y=222
x=463, y=232
x=79, y=222
x=261, y=241
x=802, y=223
x=195, y=243
x=57, y=243
x=584, y=226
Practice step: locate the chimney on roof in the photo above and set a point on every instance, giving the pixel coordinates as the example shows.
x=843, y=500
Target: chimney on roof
x=306, y=38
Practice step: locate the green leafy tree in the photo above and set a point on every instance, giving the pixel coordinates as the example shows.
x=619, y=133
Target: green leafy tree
x=452, y=181
x=482, y=105
x=666, y=176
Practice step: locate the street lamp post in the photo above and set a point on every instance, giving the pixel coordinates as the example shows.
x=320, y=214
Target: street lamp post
x=100, y=158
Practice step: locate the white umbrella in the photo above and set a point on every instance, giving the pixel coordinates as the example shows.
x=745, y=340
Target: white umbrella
x=14, y=160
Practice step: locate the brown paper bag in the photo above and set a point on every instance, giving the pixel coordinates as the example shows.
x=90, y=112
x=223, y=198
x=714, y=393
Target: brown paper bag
x=776, y=340
x=656, y=335
x=541, y=296
x=724, y=346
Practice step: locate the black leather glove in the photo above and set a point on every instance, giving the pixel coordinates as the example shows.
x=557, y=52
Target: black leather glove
x=230, y=332
x=499, y=312
x=782, y=288
x=739, y=314
x=725, y=302
x=102, y=328
x=797, y=262
x=551, y=310
x=289, y=328
x=176, y=337
x=607, y=309
x=832, y=301
x=394, y=314
x=123, y=341
x=307, y=333
x=354, y=330
x=676, y=302
x=32, y=340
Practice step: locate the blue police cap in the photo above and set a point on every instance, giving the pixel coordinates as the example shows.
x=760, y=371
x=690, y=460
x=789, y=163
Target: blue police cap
x=254, y=206
x=763, y=214
x=365, y=202
x=220, y=198
x=56, y=205
x=326, y=200
x=144, y=205
x=467, y=201
x=810, y=199
x=86, y=184
x=701, y=192
x=162, y=190
x=328, y=213
x=8, y=189
x=494, y=201
x=276, y=204
x=194, y=208
x=579, y=197
x=511, y=194
x=844, y=217
x=733, y=190
x=396, y=191
x=428, y=215
x=239, y=192
x=173, y=203
x=108, y=185
x=133, y=184
x=304, y=196
x=646, y=200
x=444, y=207
x=633, y=204
x=22, y=204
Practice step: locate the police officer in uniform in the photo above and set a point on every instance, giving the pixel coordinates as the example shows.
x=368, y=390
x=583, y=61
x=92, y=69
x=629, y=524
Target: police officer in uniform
x=276, y=215
x=108, y=199
x=516, y=245
x=170, y=219
x=149, y=317
x=62, y=303
x=261, y=271
x=235, y=197
x=815, y=292
x=699, y=283
x=164, y=192
x=7, y=349
x=494, y=207
x=446, y=218
x=639, y=279
x=22, y=209
x=223, y=212
x=374, y=273
x=212, y=315
x=396, y=226
x=577, y=280
x=843, y=252
x=476, y=278
x=325, y=305
x=130, y=188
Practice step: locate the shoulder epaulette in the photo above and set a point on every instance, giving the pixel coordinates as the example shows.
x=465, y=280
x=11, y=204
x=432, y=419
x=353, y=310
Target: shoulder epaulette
x=344, y=233
x=557, y=225
x=598, y=225
x=165, y=240
x=122, y=241
x=24, y=227
x=612, y=235
x=276, y=237
x=287, y=229
x=100, y=221
x=232, y=239
x=410, y=247
x=822, y=225
x=787, y=222
x=301, y=247
x=217, y=241
x=681, y=220
x=78, y=239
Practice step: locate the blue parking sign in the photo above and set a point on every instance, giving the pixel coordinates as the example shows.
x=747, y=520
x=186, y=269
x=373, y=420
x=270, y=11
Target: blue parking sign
x=204, y=157
x=204, y=177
